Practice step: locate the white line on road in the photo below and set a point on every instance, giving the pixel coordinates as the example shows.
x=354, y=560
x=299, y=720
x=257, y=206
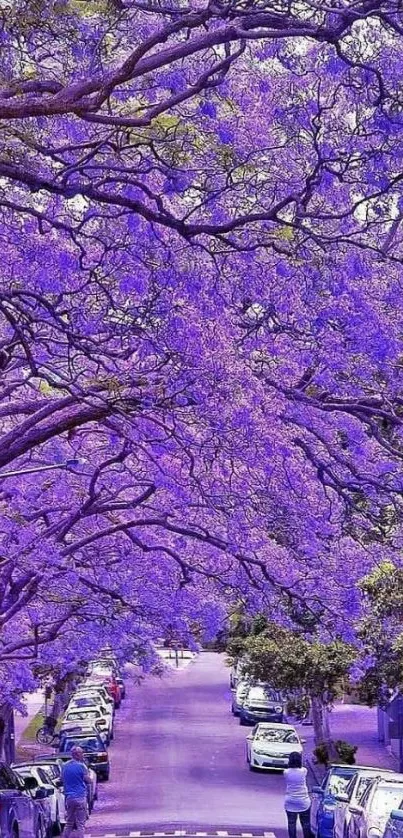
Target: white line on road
x=178, y=833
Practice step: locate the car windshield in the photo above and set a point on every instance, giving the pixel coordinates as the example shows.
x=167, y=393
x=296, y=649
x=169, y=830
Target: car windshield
x=88, y=743
x=338, y=783
x=273, y=734
x=261, y=694
x=82, y=715
x=386, y=799
x=51, y=769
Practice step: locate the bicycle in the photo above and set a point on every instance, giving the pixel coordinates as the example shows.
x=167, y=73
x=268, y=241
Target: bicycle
x=46, y=735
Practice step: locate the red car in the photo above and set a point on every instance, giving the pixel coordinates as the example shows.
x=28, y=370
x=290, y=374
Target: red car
x=114, y=690
x=110, y=684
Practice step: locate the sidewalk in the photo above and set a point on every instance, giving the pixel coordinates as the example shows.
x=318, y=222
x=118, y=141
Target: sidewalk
x=34, y=702
x=185, y=657
x=355, y=724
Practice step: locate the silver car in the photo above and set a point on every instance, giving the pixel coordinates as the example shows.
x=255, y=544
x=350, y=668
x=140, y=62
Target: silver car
x=352, y=797
x=370, y=816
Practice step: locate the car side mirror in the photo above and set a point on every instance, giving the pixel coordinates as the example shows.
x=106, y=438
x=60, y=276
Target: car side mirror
x=397, y=814
x=303, y=741
x=250, y=736
x=318, y=790
x=58, y=783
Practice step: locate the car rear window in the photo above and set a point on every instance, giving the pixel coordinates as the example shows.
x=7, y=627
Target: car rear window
x=89, y=743
x=82, y=715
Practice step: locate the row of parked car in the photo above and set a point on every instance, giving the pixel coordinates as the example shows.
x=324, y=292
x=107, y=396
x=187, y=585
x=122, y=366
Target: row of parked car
x=31, y=793
x=272, y=739
x=357, y=801
x=353, y=801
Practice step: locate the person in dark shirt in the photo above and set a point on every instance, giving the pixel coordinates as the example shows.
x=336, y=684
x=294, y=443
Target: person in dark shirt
x=75, y=782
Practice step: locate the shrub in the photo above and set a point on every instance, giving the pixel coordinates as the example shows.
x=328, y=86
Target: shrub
x=333, y=751
x=346, y=751
x=321, y=753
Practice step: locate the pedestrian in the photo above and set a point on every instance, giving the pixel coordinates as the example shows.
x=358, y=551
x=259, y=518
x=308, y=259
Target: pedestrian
x=297, y=802
x=75, y=783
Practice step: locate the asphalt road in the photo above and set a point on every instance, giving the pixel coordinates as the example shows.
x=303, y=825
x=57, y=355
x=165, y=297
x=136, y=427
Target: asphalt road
x=178, y=761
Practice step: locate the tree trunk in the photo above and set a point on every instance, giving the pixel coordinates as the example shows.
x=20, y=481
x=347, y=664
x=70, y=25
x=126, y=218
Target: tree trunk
x=321, y=726
x=321, y=730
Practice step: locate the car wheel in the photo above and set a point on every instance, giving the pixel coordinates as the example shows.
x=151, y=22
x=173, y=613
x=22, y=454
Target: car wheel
x=252, y=767
x=111, y=735
x=14, y=831
x=242, y=721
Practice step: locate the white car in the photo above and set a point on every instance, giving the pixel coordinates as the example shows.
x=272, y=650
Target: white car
x=370, y=816
x=93, y=702
x=42, y=779
x=358, y=784
x=53, y=766
x=270, y=745
x=87, y=717
x=97, y=690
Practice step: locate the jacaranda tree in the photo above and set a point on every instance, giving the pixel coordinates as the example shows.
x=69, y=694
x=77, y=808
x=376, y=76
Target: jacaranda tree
x=201, y=212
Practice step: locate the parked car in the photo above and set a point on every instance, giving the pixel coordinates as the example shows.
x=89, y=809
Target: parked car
x=240, y=693
x=96, y=691
x=93, y=700
x=356, y=787
x=36, y=777
x=90, y=717
x=335, y=783
x=53, y=765
x=111, y=686
x=370, y=816
x=21, y=815
x=394, y=826
x=102, y=667
x=270, y=745
x=261, y=704
x=121, y=684
x=95, y=750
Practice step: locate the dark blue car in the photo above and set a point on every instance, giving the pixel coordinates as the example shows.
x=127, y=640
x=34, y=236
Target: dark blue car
x=324, y=801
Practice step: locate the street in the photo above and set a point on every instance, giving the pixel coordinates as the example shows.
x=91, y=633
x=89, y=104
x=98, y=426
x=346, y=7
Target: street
x=178, y=761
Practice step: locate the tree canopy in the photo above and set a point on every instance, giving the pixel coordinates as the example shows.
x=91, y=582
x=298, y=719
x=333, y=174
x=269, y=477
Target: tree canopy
x=200, y=299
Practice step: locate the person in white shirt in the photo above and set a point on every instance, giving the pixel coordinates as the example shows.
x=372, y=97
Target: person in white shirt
x=297, y=802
